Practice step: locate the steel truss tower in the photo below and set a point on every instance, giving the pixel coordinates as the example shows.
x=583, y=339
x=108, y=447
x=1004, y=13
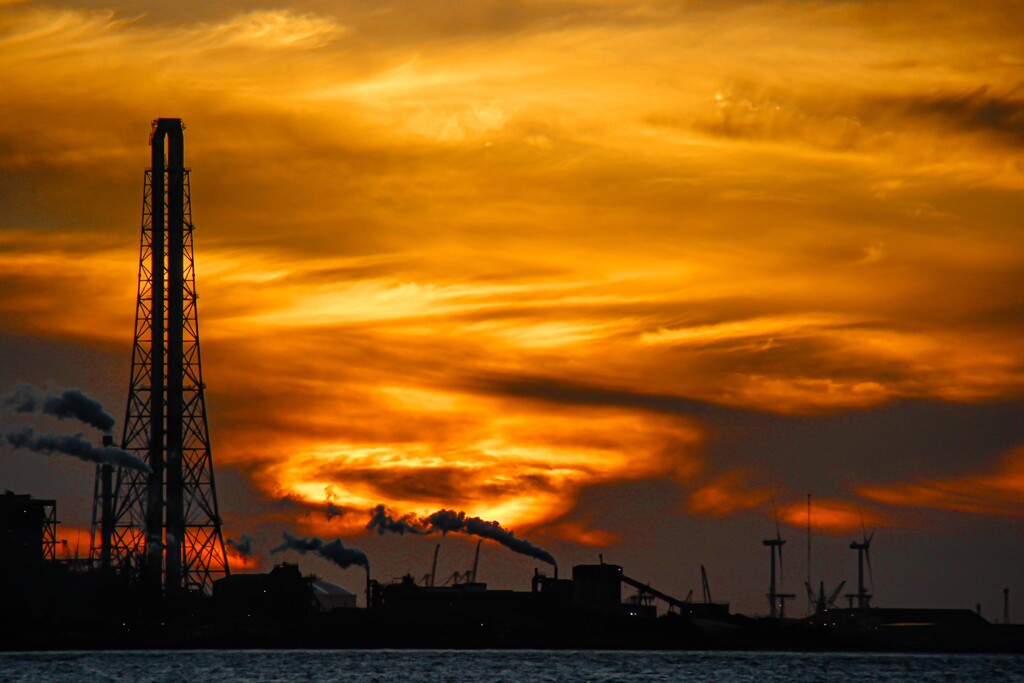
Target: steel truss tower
x=164, y=527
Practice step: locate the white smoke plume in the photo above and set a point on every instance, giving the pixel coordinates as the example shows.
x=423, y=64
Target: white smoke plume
x=449, y=520
x=335, y=550
x=457, y=522
x=76, y=445
x=72, y=403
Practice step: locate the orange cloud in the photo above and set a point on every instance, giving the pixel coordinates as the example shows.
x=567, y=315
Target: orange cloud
x=832, y=516
x=727, y=494
x=580, y=531
x=999, y=492
x=522, y=468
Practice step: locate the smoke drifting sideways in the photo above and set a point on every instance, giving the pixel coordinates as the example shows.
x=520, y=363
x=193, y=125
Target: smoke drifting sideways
x=457, y=522
x=78, y=446
x=449, y=520
x=335, y=550
x=242, y=547
x=73, y=403
x=385, y=523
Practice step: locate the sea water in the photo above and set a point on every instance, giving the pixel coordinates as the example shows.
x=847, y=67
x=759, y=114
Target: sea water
x=500, y=666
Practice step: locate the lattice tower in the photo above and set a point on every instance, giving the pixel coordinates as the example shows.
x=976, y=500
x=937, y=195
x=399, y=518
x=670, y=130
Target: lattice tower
x=164, y=528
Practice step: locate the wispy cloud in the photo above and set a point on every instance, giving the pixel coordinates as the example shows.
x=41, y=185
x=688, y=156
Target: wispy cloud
x=998, y=492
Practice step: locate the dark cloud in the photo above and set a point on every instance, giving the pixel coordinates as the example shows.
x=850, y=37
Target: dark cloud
x=979, y=110
x=288, y=506
x=333, y=509
x=555, y=390
x=746, y=110
x=901, y=439
x=453, y=483
x=526, y=482
x=444, y=483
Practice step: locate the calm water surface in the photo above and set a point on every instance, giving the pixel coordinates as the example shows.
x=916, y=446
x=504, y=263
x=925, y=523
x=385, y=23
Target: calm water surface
x=488, y=666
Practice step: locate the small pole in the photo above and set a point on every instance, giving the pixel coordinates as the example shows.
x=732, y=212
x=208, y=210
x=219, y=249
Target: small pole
x=810, y=602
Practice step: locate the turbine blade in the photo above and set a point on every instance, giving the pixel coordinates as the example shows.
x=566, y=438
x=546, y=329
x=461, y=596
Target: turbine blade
x=775, y=514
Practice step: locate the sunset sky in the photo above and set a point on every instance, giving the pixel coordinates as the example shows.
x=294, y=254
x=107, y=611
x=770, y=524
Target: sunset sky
x=619, y=275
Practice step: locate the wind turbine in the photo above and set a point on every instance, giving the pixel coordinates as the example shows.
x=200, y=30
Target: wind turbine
x=776, y=600
x=863, y=553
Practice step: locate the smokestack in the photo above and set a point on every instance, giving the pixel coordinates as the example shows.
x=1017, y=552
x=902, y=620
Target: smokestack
x=167, y=377
x=107, y=498
x=1006, y=605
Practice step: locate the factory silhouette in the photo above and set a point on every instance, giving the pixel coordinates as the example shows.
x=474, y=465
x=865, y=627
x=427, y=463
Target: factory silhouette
x=157, y=572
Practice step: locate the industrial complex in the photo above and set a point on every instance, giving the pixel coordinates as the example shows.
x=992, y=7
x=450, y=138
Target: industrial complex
x=157, y=574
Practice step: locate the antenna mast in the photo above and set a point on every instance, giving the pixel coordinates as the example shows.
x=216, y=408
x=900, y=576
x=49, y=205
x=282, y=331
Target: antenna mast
x=476, y=561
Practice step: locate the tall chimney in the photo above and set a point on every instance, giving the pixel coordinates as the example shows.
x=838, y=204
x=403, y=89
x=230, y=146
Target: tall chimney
x=166, y=395
x=107, y=508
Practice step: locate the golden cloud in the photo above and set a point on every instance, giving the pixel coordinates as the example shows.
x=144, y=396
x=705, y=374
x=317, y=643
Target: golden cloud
x=834, y=516
x=820, y=212
x=727, y=494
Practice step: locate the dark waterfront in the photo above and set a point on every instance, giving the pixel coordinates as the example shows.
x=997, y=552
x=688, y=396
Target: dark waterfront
x=500, y=666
